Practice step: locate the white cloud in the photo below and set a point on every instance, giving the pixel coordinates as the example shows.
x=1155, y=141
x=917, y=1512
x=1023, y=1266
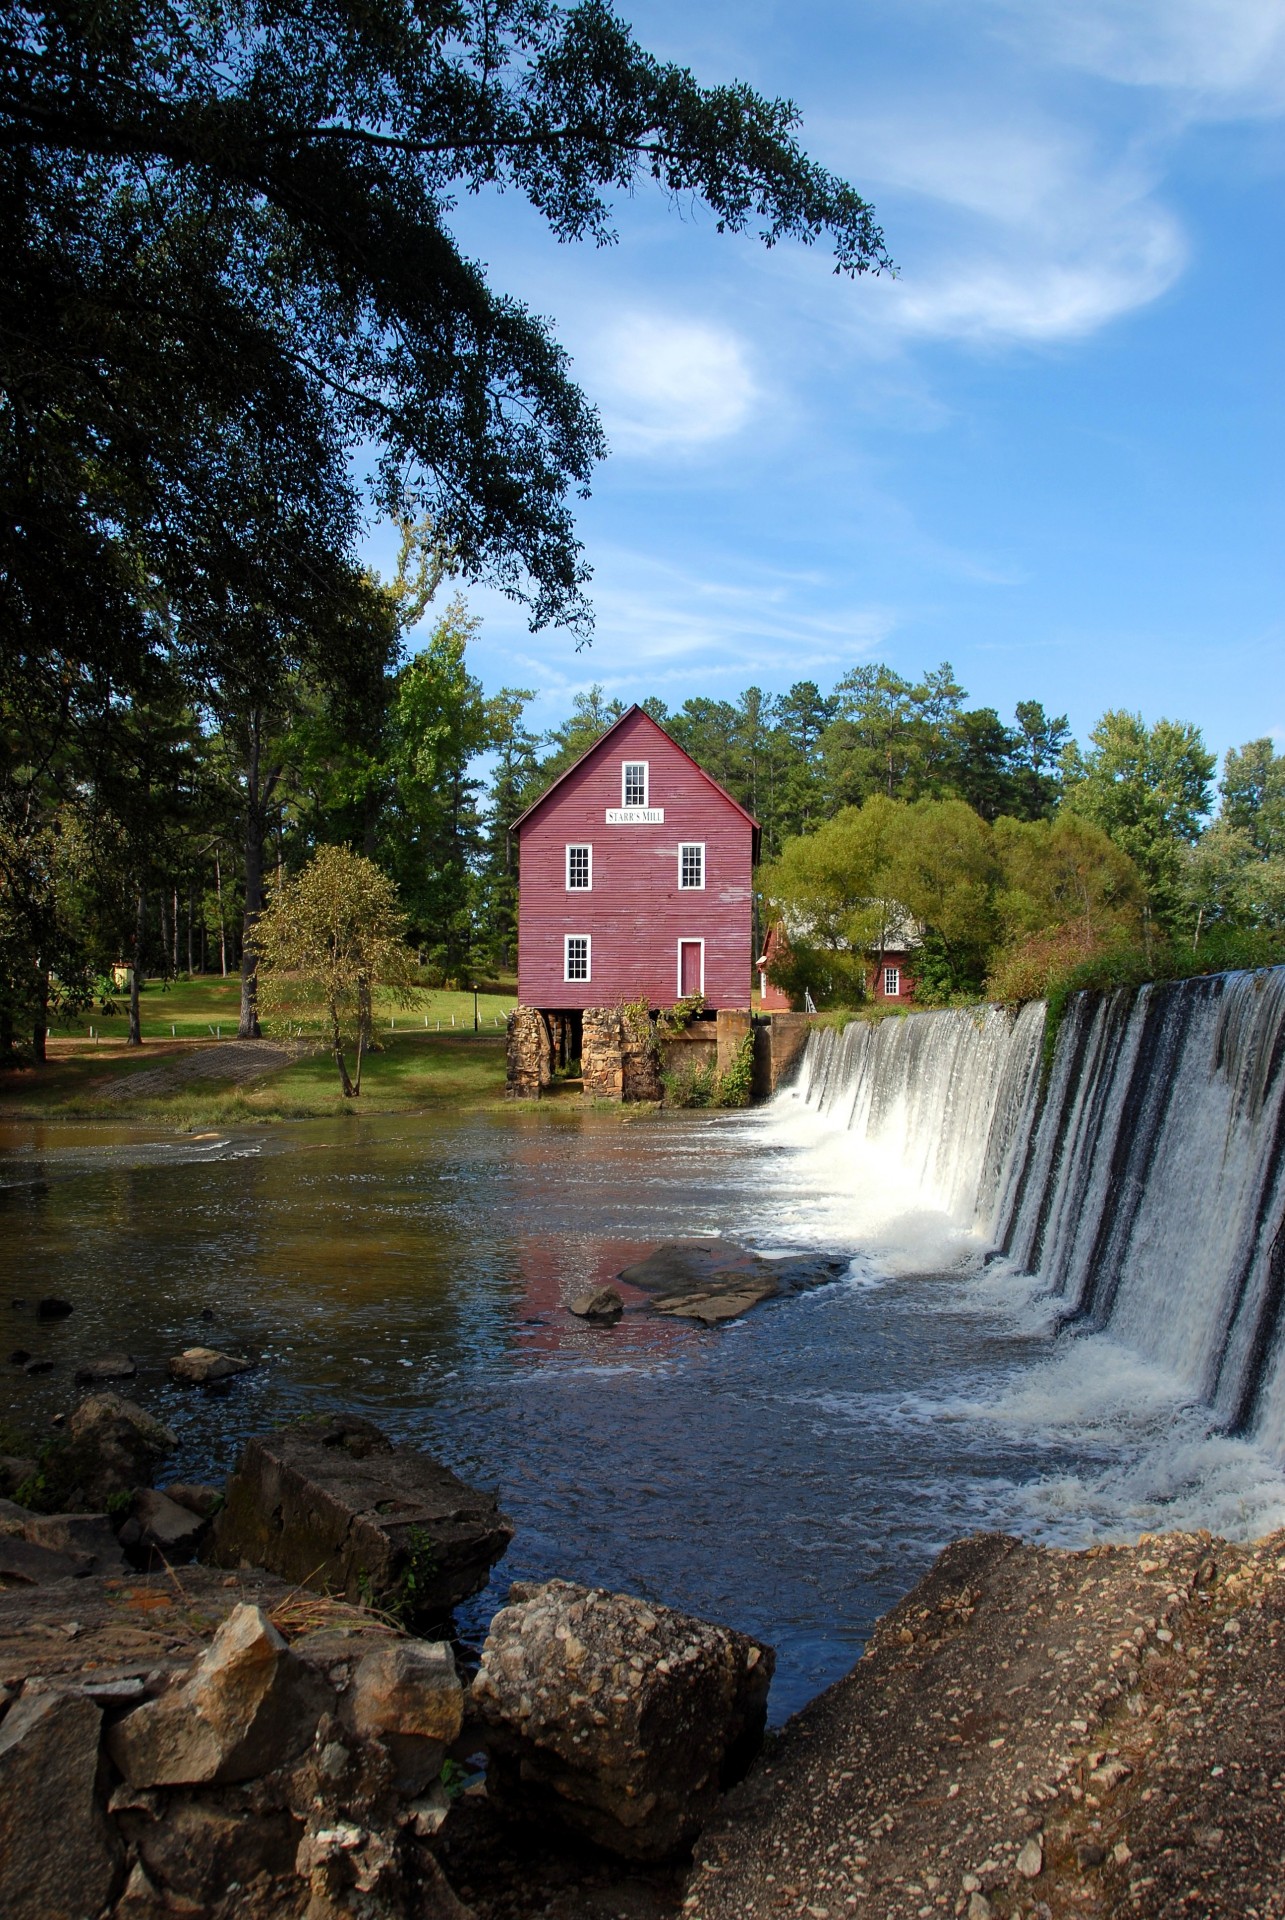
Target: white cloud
x=1227, y=57
x=664, y=384
x=665, y=629
x=1018, y=230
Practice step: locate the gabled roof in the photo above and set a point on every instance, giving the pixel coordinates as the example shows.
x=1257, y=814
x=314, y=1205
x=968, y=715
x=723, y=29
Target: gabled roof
x=601, y=742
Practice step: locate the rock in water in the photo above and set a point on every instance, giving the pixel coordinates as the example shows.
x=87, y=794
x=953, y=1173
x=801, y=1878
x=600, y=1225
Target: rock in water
x=712, y=1280
x=205, y=1366
x=51, y=1309
x=113, y=1446
x=620, y=1720
x=249, y=1706
x=58, y=1855
x=333, y=1504
x=603, y=1303
x=111, y=1366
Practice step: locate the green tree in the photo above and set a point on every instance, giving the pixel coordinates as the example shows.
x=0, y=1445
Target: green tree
x=516, y=751
x=1149, y=789
x=830, y=889
x=943, y=871
x=1067, y=894
x=430, y=835
x=1039, y=743
x=326, y=942
x=1253, y=795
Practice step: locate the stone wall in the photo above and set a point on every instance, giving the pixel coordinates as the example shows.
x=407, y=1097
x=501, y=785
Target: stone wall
x=696, y=1046
x=529, y=1066
x=618, y=1061
x=787, y=1037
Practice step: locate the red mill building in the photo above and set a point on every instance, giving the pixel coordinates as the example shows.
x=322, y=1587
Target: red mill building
x=635, y=889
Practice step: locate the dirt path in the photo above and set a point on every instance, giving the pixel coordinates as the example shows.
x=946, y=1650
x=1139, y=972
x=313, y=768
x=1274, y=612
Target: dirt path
x=231, y=1060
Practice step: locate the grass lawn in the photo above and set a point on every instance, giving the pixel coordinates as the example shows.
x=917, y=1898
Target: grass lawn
x=418, y=1065
x=208, y=1006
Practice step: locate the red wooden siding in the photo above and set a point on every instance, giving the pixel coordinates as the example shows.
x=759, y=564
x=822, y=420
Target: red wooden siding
x=635, y=914
x=904, y=962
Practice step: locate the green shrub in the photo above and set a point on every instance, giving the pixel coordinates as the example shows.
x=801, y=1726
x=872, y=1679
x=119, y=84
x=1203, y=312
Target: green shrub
x=690, y=1085
x=1221, y=951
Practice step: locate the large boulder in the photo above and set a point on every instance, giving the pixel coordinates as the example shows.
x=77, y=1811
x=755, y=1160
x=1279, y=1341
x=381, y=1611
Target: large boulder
x=112, y=1447
x=333, y=1504
x=249, y=1706
x=621, y=1720
x=712, y=1280
x=59, y=1859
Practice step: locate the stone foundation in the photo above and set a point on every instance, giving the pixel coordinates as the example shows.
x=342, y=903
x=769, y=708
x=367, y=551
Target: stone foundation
x=529, y=1068
x=618, y=1063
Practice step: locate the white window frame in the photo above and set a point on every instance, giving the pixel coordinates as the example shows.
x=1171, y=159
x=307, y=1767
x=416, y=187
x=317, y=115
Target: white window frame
x=625, y=765
x=688, y=886
x=689, y=940
x=579, y=846
x=892, y=983
x=577, y=979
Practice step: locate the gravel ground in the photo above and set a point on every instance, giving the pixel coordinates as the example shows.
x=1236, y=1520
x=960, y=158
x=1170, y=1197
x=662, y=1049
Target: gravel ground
x=1033, y=1733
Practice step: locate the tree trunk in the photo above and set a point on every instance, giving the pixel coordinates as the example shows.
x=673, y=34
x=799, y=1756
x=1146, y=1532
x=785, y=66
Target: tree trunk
x=40, y=1026
x=337, y=1049
x=248, y=1028
x=260, y=784
x=190, y=954
x=165, y=931
x=223, y=932
x=174, y=930
x=135, y=1038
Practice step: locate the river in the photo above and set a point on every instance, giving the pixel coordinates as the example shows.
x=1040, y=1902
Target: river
x=792, y=1474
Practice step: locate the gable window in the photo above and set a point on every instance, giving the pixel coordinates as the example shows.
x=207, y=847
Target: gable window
x=575, y=948
x=633, y=783
x=691, y=863
x=579, y=869
x=892, y=982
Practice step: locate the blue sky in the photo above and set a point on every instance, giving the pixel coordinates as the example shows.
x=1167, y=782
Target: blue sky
x=1049, y=450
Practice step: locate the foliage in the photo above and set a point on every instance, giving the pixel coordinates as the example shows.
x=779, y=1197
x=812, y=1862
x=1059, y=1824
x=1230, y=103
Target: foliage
x=1131, y=967
x=1149, y=789
x=736, y=1082
x=691, y=1083
x=325, y=943
x=407, y=1604
x=229, y=264
x=676, y=1019
x=1014, y=899
x=1253, y=796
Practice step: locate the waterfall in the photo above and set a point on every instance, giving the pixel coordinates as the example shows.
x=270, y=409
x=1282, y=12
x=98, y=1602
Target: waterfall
x=1142, y=1186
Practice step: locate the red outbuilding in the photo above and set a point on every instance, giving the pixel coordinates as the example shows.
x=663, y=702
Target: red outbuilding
x=635, y=880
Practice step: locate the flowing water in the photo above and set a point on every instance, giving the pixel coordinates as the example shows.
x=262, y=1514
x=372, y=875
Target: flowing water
x=1058, y=1317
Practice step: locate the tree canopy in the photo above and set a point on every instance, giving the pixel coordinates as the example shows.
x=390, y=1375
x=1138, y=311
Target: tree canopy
x=230, y=268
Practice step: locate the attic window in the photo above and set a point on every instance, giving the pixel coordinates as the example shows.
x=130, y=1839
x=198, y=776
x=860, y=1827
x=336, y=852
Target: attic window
x=691, y=863
x=633, y=783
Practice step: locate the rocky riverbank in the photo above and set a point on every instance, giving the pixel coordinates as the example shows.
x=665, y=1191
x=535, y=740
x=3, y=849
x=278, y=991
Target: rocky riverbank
x=1031, y=1733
